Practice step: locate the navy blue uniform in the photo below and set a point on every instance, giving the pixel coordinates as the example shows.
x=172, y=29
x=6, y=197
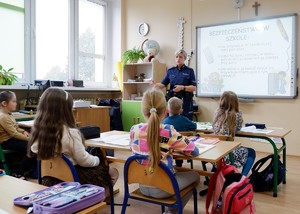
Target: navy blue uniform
x=184, y=76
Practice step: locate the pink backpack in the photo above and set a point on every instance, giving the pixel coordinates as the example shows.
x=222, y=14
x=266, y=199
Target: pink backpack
x=232, y=190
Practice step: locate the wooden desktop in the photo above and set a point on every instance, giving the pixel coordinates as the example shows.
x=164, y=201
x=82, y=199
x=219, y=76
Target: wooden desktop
x=11, y=188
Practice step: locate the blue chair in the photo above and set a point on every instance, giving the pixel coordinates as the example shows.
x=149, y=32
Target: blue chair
x=59, y=167
x=162, y=177
x=63, y=169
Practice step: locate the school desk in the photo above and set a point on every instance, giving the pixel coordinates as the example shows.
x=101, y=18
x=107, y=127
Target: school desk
x=276, y=133
x=22, y=117
x=96, y=116
x=29, y=124
x=213, y=155
x=26, y=124
x=11, y=188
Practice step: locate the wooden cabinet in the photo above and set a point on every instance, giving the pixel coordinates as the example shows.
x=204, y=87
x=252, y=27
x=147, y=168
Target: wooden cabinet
x=133, y=90
x=98, y=116
x=154, y=71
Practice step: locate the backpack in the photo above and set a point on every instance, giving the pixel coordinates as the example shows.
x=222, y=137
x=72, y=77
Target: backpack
x=232, y=189
x=263, y=180
x=114, y=113
x=90, y=132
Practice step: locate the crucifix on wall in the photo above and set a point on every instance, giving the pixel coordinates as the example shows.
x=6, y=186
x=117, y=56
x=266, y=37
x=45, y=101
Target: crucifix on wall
x=256, y=5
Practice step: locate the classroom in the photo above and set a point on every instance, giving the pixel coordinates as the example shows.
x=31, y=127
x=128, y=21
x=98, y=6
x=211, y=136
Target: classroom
x=92, y=66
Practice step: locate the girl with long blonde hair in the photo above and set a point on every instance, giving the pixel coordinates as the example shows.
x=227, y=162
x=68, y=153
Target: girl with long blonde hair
x=145, y=139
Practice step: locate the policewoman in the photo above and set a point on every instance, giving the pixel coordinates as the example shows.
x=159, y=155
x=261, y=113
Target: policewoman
x=182, y=83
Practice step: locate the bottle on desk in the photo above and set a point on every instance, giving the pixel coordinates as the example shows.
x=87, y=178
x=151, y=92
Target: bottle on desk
x=30, y=112
x=218, y=209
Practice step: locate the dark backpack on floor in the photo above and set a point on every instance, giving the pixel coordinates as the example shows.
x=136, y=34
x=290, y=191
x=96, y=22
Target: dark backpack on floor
x=262, y=180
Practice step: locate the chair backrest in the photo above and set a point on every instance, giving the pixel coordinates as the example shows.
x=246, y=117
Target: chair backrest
x=188, y=133
x=221, y=137
x=160, y=177
x=59, y=167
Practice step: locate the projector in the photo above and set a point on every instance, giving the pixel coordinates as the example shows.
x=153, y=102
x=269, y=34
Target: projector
x=81, y=104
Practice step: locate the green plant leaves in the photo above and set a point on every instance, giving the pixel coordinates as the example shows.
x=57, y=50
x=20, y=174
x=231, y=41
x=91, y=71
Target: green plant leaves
x=6, y=77
x=132, y=56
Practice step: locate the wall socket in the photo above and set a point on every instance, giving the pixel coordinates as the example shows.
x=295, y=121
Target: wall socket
x=238, y=3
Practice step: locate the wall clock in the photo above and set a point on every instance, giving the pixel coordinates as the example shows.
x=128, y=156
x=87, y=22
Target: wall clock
x=143, y=29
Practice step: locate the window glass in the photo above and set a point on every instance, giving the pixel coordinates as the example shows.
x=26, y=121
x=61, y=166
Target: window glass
x=91, y=41
x=52, y=39
x=12, y=37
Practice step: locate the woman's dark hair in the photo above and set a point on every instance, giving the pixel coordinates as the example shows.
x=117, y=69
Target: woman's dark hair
x=6, y=96
x=54, y=112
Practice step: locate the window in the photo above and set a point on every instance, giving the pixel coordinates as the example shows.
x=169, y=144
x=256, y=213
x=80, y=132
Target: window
x=12, y=39
x=61, y=39
x=52, y=39
x=70, y=40
x=91, y=41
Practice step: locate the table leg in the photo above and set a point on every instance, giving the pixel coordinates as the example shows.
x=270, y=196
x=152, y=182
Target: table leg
x=275, y=169
x=284, y=159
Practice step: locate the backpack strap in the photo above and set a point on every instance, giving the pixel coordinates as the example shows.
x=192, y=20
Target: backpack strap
x=212, y=185
x=256, y=167
x=211, y=188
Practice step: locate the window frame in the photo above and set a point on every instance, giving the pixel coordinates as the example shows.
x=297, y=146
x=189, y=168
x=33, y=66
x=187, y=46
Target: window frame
x=73, y=50
x=106, y=75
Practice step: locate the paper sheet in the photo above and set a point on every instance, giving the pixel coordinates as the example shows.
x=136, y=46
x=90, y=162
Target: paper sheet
x=204, y=126
x=121, y=140
x=253, y=129
x=204, y=147
x=28, y=123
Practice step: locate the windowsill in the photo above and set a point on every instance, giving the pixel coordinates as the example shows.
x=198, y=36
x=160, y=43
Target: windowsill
x=25, y=87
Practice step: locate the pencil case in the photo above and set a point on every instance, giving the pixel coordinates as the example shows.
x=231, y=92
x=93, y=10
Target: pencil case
x=70, y=201
x=66, y=197
x=30, y=199
x=257, y=125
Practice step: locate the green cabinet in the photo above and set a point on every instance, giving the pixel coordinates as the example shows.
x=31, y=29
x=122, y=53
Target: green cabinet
x=131, y=113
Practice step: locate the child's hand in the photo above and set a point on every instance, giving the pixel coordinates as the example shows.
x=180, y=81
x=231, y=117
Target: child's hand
x=26, y=133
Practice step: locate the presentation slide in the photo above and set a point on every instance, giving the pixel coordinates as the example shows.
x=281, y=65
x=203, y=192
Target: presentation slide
x=255, y=59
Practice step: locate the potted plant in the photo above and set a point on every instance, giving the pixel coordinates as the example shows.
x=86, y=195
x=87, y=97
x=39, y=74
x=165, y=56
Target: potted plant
x=132, y=56
x=6, y=77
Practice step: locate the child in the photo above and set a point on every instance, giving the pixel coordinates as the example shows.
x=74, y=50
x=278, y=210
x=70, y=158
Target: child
x=11, y=136
x=54, y=133
x=227, y=121
x=145, y=139
x=180, y=123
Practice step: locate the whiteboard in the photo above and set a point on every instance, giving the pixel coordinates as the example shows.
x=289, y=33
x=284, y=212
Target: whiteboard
x=253, y=58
